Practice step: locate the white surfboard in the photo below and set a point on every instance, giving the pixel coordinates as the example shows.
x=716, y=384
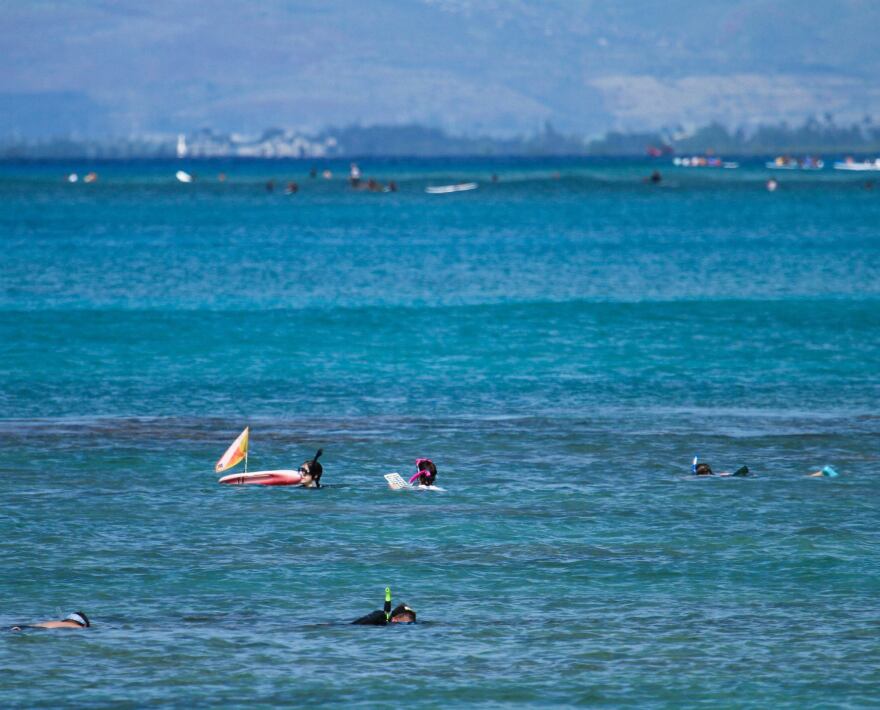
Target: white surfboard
x=183, y=176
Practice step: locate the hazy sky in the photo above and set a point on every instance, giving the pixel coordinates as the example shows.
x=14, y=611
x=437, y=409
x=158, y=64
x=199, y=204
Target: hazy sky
x=491, y=66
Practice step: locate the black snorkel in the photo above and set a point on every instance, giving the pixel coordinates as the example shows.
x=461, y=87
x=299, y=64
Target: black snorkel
x=314, y=465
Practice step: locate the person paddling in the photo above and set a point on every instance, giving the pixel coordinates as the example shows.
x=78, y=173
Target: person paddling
x=824, y=472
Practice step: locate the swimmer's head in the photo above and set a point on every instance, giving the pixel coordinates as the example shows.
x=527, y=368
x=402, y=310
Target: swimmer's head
x=78, y=617
x=312, y=470
x=402, y=614
x=428, y=470
x=702, y=469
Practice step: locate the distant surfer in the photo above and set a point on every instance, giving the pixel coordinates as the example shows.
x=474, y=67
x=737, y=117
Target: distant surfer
x=312, y=471
x=401, y=614
x=703, y=469
x=426, y=473
x=354, y=175
x=75, y=620
x=824, y=472
x=655, y=178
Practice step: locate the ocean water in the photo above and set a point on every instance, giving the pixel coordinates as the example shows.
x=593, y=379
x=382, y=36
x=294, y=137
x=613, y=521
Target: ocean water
x=561, y=343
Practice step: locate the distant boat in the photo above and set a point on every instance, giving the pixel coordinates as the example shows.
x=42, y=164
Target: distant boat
x=785, y=162
x=861, y=166
x=181, y=146
x=444, y=189
x=183, y=176
x=704, y=161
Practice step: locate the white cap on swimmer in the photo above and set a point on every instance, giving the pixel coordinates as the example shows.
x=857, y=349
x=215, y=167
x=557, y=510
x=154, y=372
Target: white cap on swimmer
x=77, y=617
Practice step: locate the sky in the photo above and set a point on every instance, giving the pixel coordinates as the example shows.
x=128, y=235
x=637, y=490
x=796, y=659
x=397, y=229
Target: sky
x=496, y=67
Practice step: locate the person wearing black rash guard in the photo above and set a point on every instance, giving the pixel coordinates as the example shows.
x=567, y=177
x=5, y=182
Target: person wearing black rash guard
x=401, y=614
x=76, y=620
x=703, y=469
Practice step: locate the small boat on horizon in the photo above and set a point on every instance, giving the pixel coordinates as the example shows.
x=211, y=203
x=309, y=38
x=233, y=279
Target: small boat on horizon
x=859, y=166
x=704, y=161
x=786, y=162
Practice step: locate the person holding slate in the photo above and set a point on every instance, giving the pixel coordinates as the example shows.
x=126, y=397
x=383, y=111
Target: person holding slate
x=401, y=614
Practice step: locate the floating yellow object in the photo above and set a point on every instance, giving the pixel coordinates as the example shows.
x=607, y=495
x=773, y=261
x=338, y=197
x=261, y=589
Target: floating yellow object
x=234, y=453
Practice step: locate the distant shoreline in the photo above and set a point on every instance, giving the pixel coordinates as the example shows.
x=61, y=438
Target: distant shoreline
x=414, y=142
x=665, y=160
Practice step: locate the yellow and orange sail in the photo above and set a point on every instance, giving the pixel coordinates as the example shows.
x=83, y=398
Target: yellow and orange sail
x=234, y=453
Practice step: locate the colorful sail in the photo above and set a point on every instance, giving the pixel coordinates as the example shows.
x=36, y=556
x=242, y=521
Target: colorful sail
x=234, y=453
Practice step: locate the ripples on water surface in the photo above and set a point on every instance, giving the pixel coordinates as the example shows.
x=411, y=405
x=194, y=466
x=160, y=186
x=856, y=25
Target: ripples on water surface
x=561, y=347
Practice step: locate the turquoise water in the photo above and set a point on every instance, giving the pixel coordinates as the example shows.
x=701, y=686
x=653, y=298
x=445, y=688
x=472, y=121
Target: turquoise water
x=561, y=343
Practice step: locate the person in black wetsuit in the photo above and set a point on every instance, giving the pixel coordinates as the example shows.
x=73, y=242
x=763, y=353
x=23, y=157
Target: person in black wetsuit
x=401, y=614
x=703, y=469
x=76, y=620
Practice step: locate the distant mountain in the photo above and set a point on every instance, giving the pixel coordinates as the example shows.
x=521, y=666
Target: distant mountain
x=497, y=67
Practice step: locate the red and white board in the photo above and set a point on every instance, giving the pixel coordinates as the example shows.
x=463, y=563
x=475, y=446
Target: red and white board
x=282, y=477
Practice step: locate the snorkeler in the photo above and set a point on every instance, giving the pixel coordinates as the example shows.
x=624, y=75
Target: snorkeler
x=703, y=469
x=824, y=472
x=426, y=473
x=76, y=620
x=312, y=471
x=401, y=614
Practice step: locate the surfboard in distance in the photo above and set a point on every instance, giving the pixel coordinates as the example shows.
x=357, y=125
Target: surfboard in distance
x=183, y=176
x=281, y=477
x=458, y=187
